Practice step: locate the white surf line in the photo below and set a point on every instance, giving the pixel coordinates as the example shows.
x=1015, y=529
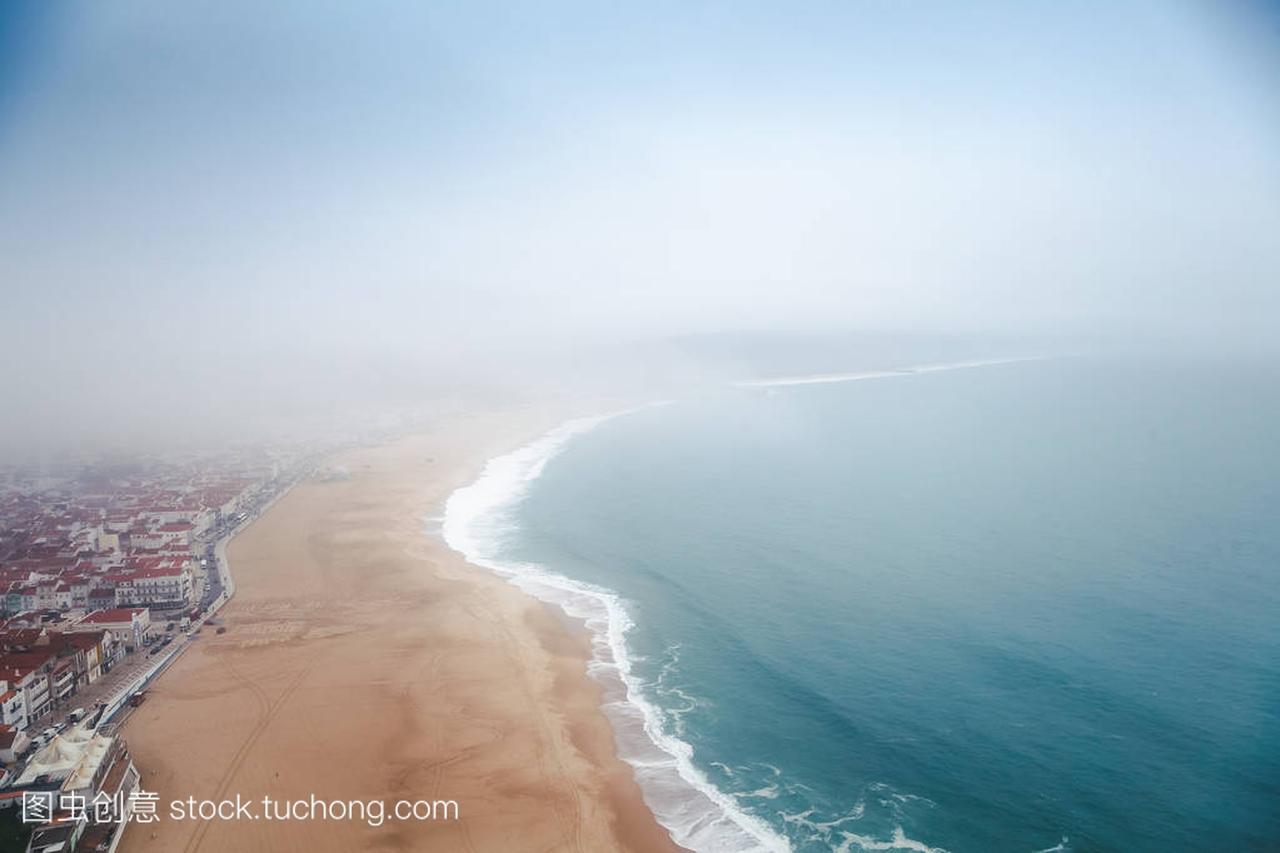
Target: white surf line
x=820, y=378
x=701, y=818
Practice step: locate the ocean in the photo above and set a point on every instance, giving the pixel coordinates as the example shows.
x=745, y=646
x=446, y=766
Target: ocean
x=1013, y=607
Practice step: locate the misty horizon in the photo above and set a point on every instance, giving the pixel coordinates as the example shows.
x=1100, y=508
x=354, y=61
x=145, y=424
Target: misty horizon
x=241, y=213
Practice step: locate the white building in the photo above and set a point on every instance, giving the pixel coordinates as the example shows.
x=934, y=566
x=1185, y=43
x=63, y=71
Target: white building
x=13, y=707
x=170, y=588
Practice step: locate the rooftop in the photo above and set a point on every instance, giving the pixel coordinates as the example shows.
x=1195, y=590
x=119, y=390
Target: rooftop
x=115, y=614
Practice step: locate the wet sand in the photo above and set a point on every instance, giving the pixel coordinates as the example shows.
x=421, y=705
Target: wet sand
x=364, y=660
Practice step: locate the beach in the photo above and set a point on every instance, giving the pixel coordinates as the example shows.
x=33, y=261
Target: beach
x=365, y=661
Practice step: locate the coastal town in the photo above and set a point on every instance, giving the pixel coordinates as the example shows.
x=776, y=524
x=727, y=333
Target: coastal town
x=107, y=573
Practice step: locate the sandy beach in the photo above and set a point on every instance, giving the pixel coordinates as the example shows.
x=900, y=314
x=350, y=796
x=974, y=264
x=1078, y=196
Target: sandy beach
x=364, y=660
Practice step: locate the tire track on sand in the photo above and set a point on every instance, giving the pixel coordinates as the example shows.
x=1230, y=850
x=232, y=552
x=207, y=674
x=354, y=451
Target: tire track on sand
x=268, y=711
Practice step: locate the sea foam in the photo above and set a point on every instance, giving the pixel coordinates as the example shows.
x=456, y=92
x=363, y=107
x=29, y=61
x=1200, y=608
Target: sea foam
x=698, y=815
x=825, y=378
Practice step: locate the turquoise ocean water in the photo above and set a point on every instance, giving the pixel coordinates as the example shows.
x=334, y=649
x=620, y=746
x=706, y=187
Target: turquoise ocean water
x=1020, y=607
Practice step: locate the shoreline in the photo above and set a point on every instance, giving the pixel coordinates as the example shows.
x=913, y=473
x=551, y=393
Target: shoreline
x=697, y=814
x=323, y=687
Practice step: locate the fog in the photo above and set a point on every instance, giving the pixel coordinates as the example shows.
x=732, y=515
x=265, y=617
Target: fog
x=219, y=214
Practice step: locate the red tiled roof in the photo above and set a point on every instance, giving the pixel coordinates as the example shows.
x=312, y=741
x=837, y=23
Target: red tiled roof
x=115, y=614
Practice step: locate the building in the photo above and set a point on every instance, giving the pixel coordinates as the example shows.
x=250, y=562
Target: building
x=101, y=598
x=167, y=588
x=176, y=533
x=13, y=742
x=32, y=683
x=128, y=626
x=94, y=648
x=13, y=708
x=13, y=598
x=61, y=836
x=108, y=541
x=86, y=766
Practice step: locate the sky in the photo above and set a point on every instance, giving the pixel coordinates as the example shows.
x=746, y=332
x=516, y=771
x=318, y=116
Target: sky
x=245, y=189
